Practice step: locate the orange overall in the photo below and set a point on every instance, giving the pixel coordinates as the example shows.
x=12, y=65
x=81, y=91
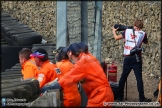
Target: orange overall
x=47, y=73
x=93, y=57
x=29, y=69
x=71, y=94
x=95, y=83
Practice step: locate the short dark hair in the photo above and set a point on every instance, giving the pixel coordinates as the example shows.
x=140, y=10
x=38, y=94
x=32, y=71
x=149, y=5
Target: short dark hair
x=25, y=53
x=42, y=51
x=138, y=23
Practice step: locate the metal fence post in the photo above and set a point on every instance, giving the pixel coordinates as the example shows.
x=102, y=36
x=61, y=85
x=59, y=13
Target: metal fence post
x=98, y=30
x=61, y=37
x=84, y=22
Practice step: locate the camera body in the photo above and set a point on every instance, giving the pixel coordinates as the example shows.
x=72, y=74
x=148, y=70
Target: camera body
x=134, y=51
x=122, y=27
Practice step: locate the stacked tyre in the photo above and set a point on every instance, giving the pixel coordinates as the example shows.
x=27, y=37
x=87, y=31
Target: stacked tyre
x=17, y=33
x=13, y=87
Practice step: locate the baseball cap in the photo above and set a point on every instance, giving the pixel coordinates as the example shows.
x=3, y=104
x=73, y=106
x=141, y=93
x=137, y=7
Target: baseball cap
x=83, y=45
x=39, y=53
x=74, y=47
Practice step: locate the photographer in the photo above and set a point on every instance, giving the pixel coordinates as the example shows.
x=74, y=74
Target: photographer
x=134, y=60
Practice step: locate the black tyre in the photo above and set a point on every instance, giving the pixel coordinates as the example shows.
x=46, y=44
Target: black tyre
x=27, y=38
x=28, y=87
x=17, y=64
x=5, y=15
x=13, y=32
x=14, y=26
x=114, y=87
x=7, y=18
x=8, y=70
x=4, y=81
x=10, y=78
x=23, y=35
x=16, y=67
x=39, y=45
x=11, y=75
x=19, y=92
x=10, y=24
x=7, y=94
x=6, y=29
x=14, y=90
x=34, y=85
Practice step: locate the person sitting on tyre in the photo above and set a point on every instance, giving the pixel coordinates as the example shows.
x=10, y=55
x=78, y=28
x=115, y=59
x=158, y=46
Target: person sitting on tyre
x=47, y=72
x=71, y=95
x=84, y=48
x=29, y=67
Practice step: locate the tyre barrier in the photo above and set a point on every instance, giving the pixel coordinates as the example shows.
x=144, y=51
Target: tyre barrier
x=9, y=78
x=11, y=75
x=7, y=18
x=114, y=86
x=5, y=15
x=18, y=92
x=8, y=28
x=22, y=91
x=10, y=71
x=7, y=94
x=4, y=81
x=34, y=85
x=16, y=67
x=18, y=34
x=21, y=31
x=17, y=64
x=10, y=24
x=48, y=47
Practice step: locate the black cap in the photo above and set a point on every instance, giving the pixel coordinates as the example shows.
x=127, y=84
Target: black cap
x=83, y=45
x=75, y=47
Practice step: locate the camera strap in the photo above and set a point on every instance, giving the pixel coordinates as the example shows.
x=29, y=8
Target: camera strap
x=134, y=37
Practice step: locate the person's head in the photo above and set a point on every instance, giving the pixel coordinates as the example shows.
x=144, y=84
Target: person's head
x=40, y=55
x=61, y=53
x=74, y=51
x=84, y=46
x=24, y=55
x=138, y=24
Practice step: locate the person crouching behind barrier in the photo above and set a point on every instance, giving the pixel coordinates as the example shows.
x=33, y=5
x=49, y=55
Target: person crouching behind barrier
x=47, y=72
x=71, y=95
x=84, y=48
x=29, y=67
x=97, y=86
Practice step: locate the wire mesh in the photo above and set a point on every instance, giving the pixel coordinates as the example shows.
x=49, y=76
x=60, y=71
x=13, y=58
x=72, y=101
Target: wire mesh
x=74, y=21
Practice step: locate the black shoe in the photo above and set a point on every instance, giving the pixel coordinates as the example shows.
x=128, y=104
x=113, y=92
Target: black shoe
x=146, y=100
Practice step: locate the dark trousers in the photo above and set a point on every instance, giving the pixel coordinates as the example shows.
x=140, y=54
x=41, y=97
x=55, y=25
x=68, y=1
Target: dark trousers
x=129, y=64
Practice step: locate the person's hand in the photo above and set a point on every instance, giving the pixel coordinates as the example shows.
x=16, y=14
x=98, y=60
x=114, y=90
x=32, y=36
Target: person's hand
x=114, y=30
x=51, y=82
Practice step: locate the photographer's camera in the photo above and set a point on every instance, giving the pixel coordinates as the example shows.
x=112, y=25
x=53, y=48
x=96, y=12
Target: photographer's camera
x=122, y=27
x=134, y=51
